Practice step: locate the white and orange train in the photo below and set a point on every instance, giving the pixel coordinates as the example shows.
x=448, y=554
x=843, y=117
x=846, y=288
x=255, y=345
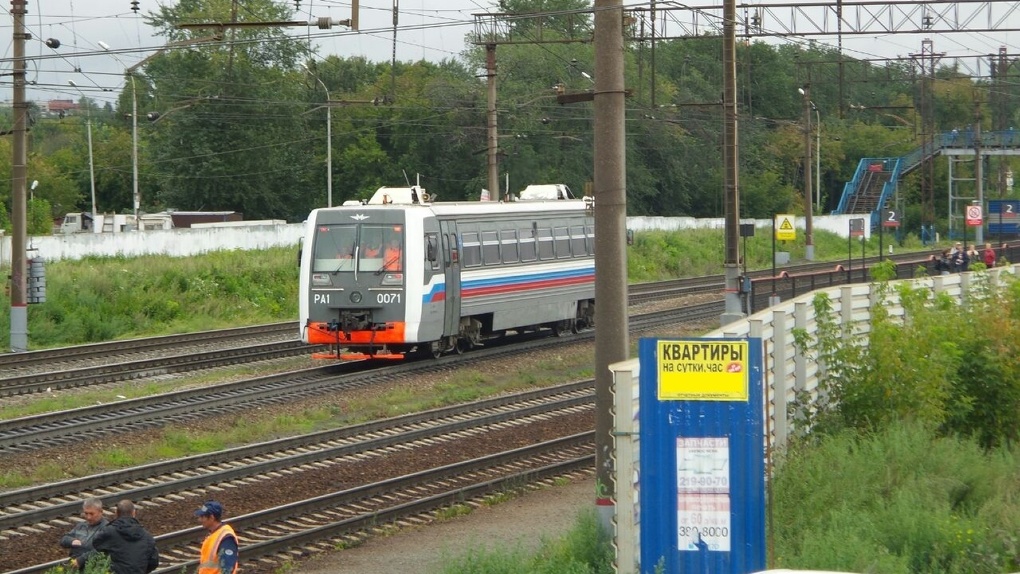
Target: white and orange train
x=400, y=274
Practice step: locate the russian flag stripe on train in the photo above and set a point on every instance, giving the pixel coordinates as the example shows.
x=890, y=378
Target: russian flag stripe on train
x=531, y=281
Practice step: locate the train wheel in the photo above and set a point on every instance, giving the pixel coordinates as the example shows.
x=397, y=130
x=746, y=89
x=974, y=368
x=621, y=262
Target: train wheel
x=435, y=349
x=561, y=328
x=461, y=346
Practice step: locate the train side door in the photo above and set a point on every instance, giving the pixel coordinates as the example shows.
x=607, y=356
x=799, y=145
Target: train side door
x=451, y=264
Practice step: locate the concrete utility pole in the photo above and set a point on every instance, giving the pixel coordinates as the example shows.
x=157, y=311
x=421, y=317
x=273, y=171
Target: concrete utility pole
x=610, y=188
x=731, y=188
x=19, y=170
x=979, y=174
x=490, y=74
x=809, y=235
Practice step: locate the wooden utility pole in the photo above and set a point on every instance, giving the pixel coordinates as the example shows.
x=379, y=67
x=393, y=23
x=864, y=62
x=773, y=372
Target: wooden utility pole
x=19, y=219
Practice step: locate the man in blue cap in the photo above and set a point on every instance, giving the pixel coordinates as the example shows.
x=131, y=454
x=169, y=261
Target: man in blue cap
x=219, y=550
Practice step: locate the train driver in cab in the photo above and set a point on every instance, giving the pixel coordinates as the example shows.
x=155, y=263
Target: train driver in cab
x=392, y=252
x=372, y=247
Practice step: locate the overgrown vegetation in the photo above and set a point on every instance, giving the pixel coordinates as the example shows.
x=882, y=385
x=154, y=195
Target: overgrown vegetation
x=586, y=549
x=100, y=299
x=909, y=465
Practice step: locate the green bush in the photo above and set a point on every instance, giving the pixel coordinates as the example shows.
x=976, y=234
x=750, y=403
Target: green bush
x=948, y=364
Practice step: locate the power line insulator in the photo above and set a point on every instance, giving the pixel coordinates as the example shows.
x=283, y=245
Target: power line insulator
x=134, y=6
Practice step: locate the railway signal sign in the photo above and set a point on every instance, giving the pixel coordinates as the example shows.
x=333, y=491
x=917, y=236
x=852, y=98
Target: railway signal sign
x=974, y=218
x=857, y=227
x=890, y=218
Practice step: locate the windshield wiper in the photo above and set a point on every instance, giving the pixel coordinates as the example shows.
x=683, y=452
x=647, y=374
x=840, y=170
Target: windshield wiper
x=386, y=264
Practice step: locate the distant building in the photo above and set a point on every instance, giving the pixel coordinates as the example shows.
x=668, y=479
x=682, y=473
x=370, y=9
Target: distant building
x=187, y=218
x=57, y=106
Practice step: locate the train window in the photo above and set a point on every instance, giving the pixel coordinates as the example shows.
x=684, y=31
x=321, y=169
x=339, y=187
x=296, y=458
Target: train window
x=490, y=248
x=562, y=240
x=545, y=244
x=333, y=248
x=454, y=249
x=528, y=250
x=577, y=243
x=432, y=249
x=472, y=252
x=381, y=247
x=508, y=239
x=589, y=238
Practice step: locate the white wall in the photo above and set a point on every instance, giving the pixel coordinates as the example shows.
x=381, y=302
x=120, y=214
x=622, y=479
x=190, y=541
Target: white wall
x=184, y=242
x=838, y=224
x=174, y=242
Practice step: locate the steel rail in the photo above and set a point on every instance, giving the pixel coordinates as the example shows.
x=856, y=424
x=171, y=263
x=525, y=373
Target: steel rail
x=353, y=511
x=33, y=432
x=32, y=505
x=126, y=371
x=81, y=352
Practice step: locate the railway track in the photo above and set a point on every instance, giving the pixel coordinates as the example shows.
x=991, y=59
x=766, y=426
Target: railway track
x=309, y=525
x=62, y=427
x=120, y=350
x=49, y=507
x=104, y=363
x=406, y=490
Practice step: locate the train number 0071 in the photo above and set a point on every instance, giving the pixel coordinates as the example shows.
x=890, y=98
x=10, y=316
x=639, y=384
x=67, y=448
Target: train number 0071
x=387, y=298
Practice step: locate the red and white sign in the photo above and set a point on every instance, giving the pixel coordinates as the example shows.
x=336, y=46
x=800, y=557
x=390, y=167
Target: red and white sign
x=974, y=217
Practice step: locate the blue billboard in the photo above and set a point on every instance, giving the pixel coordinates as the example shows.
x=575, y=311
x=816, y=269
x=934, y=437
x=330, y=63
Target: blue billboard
x=702, y=459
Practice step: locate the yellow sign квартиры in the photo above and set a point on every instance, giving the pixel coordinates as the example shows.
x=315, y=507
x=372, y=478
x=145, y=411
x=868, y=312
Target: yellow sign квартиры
x=700, y=370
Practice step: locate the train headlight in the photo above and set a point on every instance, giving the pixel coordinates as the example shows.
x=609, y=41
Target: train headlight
x=356, y=297
x=393, y=279
x=320, y=279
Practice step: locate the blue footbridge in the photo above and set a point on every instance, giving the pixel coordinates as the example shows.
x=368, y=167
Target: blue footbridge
x=876, y=180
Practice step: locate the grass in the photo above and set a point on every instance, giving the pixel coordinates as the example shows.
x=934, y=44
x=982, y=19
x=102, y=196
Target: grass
x=585, y=549
x=899, y=501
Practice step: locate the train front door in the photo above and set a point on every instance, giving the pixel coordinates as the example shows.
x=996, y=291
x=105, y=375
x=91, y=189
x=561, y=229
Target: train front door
x=451, y=264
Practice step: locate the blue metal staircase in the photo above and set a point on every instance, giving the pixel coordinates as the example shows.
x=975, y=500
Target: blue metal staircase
x=875, y=180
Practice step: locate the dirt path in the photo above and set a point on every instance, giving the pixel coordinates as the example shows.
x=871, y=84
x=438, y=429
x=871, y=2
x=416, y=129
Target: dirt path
x=523, y=522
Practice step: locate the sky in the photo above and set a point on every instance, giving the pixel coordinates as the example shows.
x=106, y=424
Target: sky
x=427, y=29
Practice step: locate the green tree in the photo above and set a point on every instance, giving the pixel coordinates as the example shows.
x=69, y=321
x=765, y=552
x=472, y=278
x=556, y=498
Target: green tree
x=230, y=135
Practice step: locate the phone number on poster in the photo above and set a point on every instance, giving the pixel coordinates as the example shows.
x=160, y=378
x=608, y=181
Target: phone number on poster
x=702, y=481
x=706, y=532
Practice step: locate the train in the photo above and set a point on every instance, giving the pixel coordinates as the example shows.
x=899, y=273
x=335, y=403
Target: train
x=402, y=275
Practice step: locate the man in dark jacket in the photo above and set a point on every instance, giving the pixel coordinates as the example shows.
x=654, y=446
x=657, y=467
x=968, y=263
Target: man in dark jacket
x=131, y=549
x=79, y=539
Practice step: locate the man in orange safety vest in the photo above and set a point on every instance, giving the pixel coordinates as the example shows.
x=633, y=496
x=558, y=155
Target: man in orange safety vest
x=219, y=550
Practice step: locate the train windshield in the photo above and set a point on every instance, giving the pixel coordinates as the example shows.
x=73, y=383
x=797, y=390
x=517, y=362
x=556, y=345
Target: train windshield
x=376, y=247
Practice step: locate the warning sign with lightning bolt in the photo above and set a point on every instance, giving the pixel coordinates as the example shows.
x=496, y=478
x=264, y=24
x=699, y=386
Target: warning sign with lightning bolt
x=784, y=228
